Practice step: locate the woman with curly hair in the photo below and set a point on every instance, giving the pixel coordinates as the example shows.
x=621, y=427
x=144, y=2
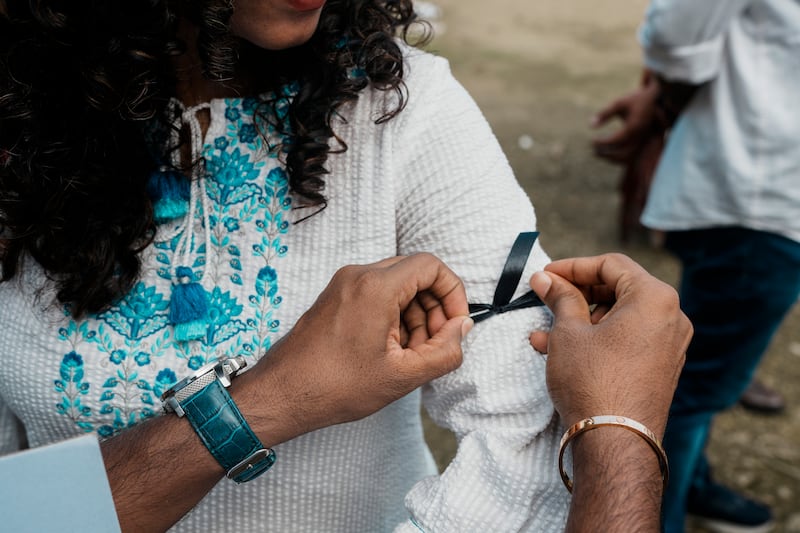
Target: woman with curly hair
x=179, y=180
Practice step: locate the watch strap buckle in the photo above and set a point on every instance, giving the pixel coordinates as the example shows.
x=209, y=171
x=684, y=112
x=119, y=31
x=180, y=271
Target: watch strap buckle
x=254, y=465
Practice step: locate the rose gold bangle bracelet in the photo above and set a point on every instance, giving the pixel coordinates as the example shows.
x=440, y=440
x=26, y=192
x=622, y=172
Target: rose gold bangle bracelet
x=612, y=420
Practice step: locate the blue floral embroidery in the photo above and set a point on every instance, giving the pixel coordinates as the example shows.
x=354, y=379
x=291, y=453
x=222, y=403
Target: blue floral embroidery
x=126, y=395
x=247, y=133
x=140, y=314
x=131, y=338
x=266, y=301
x=72, y=388
x=249, y=105
x=232, y=113
x=222, y=313
x=164, y=380
x=117, y=357
x=119, y=396
x=220, y=143
x=196, y=362
x=231, y=171
x=142, y=358
x=231, y=224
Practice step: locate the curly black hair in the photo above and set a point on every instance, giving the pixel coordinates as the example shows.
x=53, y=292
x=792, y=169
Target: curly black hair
x=78, y=81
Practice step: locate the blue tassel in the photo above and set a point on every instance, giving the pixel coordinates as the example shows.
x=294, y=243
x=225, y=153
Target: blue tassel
x=188, y=307
x=170, y=192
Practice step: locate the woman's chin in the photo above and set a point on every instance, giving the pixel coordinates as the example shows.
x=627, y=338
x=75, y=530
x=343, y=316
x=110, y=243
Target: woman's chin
x=283, y=36
x=307, y=5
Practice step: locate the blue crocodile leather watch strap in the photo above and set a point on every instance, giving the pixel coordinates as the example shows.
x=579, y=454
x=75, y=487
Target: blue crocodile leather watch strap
x=226, y=434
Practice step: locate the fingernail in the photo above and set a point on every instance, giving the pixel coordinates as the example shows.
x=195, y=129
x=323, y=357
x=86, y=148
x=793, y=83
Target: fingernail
x=540, y=283
x=466, y=326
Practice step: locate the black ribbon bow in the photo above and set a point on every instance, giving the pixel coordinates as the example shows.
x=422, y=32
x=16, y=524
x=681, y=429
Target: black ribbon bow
x=509, y=279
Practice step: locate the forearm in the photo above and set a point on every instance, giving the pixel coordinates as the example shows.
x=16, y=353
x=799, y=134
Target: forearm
x=672, y=99
x=616, y=483
x=159, y=470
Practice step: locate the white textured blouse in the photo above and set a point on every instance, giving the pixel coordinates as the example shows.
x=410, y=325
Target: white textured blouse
x=432, y=179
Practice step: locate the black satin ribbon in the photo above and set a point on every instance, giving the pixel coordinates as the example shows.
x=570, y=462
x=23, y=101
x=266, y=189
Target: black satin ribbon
x=509, y=279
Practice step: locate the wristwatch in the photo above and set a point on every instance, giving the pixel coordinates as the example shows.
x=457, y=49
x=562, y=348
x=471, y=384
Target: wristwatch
x=205, y=403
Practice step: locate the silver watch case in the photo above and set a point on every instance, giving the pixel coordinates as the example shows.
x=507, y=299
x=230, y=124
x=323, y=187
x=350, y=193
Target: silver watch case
x=223, y=370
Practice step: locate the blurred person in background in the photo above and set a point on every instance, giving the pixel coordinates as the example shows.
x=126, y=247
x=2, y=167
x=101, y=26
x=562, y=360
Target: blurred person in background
x=722, y=83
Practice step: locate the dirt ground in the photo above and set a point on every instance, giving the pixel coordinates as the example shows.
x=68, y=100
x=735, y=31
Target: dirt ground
x=539, y=70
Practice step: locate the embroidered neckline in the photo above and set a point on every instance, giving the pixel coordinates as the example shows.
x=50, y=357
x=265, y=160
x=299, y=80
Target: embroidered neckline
x=189, y=308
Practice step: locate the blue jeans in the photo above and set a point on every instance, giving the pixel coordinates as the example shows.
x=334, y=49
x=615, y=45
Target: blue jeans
x=736, y=287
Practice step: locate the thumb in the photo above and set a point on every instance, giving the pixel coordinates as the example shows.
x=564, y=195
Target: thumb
x=442, y=353
x=562, y=297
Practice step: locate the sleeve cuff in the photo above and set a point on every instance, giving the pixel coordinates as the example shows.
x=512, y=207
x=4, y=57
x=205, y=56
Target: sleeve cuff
x=695, y=64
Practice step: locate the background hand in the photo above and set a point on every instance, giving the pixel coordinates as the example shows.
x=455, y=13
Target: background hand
x=640, y=121
x=624, y=356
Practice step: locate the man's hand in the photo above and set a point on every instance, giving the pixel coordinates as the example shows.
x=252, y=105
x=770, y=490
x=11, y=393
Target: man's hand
x=376, y=333
x=624, y=356
x=621, y=357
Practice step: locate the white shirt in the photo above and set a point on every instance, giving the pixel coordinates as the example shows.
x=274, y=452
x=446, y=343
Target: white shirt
x=432, y=179
x=733, y=157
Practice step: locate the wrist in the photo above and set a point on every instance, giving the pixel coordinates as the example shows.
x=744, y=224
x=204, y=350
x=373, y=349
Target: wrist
x=633, y=408
x=651, y=422
x=616, y=478
x=266, y=403
x=203, y=399
x=602, y=453
x=616, y=449
x=672, y=98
